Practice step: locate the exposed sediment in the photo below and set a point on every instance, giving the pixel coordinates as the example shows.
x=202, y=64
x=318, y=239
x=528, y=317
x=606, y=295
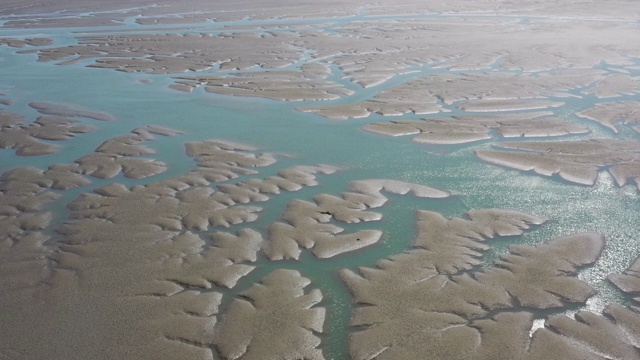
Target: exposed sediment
x=498, y=91
x=70, y=111
x=307, y=224
x=611, y=113
x=157, y=268
x=20, y=43
x=470, y=128
x=629, y=280
x=615, y=85
x=25, y=138
x=407, y=292
x=133, y=261
x=275, y=319
x=575, y=161
x=309, y=83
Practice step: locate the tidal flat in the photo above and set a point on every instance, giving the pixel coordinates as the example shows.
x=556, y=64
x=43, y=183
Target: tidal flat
x=356, y=180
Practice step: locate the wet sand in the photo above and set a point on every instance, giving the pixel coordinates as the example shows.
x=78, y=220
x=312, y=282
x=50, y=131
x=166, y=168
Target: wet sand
x=116, y=254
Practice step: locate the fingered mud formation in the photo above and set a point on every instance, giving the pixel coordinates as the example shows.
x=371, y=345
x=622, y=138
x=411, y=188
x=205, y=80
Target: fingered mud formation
x=575, y=161
x=307, y=84
x=454, y=245
x=58, y=123
x=163, y=271
x=411, y=291
x=156, y=53
x=275, y=319
x=370, y=52
x=70, y=111
x=114, y=253
x=138, y=253
x=20, y=43
x=470, y=128
x=307, y=224
x=23, y=217
x=615, y=85
x=613, y=113
x=482, y=91
x=629, y=280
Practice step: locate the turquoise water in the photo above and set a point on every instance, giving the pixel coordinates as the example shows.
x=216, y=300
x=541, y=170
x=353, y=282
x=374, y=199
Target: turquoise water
x=304, y=138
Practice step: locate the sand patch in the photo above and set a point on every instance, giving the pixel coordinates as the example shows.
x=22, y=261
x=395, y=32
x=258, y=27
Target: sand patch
x=406, y=292
x=277, y=85
x=307, y=224
x=575, y=161
x=629, y=280
x=70, y=111
x=615, y=85
x=279, y=302
x=177, y=53
x=20, y=43
x=508, y=105
x=489, y=91
x=613, y=113
x=55, y=126
x=470, y=128
x=135, y=262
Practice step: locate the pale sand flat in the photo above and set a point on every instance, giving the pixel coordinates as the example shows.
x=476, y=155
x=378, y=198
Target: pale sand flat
x=543, y=165
x=490, y=91
x=147, y=131
x=390, y=48
x=183, y=87
x=450, y=138
x=155, y=53
x=290, y=179
x=624, y=173
x=609, y=114
x=508, y=105
x=615, y=85
x=629, y=280
x=306, y=84
x=471, y=128
x=60, y=23
x=20, y=43
x=575, y=161
x=338, y=112
x=65, y=110
x=627, y=320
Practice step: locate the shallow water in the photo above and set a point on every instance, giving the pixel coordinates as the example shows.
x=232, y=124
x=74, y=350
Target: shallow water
x=276, y=127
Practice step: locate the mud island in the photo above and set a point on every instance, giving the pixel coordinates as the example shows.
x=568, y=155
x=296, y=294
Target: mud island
x=196, y=180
